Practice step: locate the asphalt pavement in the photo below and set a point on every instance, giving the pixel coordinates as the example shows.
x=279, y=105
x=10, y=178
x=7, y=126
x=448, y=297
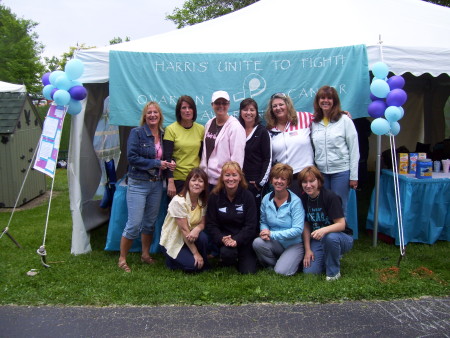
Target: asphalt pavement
x=426, y=317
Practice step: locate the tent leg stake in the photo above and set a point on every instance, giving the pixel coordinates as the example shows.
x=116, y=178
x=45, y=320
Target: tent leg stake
x=11, y=238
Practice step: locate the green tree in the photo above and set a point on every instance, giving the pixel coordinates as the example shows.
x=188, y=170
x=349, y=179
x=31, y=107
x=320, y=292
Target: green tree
x=20, y=51
x=52, y=64
x=196, y=11
x=118, y=39
x=70, y=54
x=445, y=3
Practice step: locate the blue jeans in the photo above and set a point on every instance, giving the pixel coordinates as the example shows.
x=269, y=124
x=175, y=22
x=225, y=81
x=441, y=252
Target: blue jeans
x=339, y=183
x=328, y=252
x=185, y=260
x=143, y=200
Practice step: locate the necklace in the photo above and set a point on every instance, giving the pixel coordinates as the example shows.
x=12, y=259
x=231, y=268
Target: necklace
x=194, y=205
x=313, y=204
x=314, y=199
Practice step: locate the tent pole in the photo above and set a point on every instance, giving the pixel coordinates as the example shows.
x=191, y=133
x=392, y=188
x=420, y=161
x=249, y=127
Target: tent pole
x=377, y=190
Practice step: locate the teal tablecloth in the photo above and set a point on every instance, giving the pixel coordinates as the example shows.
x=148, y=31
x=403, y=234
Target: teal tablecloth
x=119, y=216
x=425, y=208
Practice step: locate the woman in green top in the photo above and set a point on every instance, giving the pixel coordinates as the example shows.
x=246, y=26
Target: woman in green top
x=182, y=143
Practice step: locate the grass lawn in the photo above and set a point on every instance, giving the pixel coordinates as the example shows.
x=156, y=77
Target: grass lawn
x=368, y=273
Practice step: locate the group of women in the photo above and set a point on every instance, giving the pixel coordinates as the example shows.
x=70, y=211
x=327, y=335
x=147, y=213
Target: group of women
x=216, y=178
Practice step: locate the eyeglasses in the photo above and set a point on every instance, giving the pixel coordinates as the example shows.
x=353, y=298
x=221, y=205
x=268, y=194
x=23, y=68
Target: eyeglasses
x=221, y=103
x=278, y=95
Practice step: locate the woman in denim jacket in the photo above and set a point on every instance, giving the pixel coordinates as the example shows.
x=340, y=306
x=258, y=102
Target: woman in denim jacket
x=144, y=152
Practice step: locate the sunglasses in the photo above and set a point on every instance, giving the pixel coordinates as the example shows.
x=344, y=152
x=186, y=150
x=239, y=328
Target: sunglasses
x=278, y=95
x=221, y=103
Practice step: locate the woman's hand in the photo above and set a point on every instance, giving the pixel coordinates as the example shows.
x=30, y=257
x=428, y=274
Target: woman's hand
x=319, y=233
x=309, y=256
x=193, y=235
x=228, y=241
x=172, y=165
x=171, y=190
x=347, y=113
x=164, y=165
x=265, y=234
x=198, y=261
x=353, y=184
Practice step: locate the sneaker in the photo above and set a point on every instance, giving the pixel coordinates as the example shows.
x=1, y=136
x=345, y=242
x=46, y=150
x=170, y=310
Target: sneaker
x=330, y=279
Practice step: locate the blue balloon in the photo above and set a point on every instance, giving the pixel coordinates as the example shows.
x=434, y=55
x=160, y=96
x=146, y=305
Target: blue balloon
x=62, y=82
x=54, y=75
x=74, y=107
x=396, y=97
x=396, y=82
x=380, y=70
x=395, y=128
x=46, y=79
x=78, y=93
x=402, y=111
x=373, y=97
x=74, y=83
x=376, y=108
x=74, y=69
x=379, y=88
x=380, y=126
x=392, y=114
x=61, y=97
x=47, y=91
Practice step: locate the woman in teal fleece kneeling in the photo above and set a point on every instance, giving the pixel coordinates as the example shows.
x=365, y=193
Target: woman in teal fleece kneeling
x=279, y=244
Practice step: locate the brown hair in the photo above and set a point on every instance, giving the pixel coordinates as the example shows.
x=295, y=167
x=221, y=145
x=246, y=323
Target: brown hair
x=310, y=171
x=270, y=116
x=194, y=173
x=243, y=105
x=227, y=166
x=144, y=112
x=282, y=170
x=336, y=112
x=190, y=101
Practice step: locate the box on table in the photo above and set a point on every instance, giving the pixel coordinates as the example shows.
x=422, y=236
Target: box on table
x=421, y=156
x=413, y=162
x=403, y=162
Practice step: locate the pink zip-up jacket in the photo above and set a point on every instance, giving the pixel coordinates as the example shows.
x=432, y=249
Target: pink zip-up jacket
x=229, y=146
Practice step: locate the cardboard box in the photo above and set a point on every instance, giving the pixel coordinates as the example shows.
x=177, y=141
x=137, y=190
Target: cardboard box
x=403, y=162
x=413, y=162
x=422, y=156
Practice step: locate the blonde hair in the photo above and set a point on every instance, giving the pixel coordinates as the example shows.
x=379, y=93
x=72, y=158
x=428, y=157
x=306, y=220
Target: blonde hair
x=230, y=165
x=270, y=115
x=144, y=112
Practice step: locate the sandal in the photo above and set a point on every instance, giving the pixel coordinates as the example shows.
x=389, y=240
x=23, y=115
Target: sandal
x=124, y=266
x=147, y=260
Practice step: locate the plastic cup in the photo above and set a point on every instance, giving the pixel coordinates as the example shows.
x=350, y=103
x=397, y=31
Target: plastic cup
x=445, y=166
x=437, y=166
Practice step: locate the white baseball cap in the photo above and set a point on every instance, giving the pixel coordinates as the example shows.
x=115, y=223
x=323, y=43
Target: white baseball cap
x=220, y=94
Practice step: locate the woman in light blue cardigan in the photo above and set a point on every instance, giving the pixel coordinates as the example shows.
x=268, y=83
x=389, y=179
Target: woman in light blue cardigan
x=335, y=141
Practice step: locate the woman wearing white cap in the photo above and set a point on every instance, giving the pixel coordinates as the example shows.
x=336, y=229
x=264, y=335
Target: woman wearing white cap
x=224, y=138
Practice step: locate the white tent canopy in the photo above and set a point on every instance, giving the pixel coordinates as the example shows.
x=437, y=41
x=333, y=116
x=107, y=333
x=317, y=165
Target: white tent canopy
x=408, y=35
x=10, y=87
x=414, y=34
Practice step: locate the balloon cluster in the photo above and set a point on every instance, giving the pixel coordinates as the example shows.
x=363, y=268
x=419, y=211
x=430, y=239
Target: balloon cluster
x=387, y=98
x=62, y=87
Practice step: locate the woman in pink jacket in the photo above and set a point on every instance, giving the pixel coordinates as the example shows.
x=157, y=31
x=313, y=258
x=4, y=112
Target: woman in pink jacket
x=224, y=139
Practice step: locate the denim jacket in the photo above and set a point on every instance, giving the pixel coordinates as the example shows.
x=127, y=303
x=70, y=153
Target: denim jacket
x=142, y=164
